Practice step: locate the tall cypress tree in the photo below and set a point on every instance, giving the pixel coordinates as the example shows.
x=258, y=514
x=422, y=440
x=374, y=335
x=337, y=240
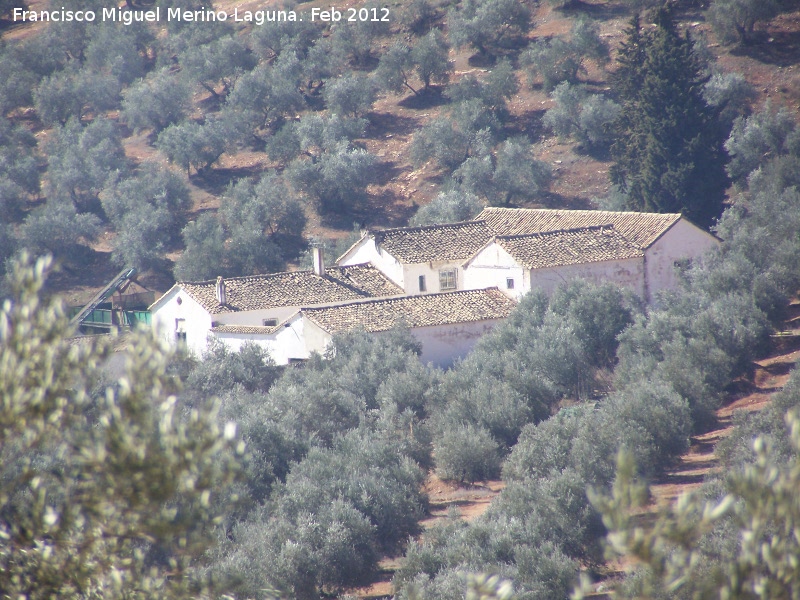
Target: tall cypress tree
x=668, y=152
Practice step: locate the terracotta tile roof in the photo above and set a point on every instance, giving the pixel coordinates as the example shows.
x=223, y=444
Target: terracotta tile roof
x=300, y=288
x=414, y=311
x=450, y=242
x=249, y=329
x=568, y=247
x=643, y=229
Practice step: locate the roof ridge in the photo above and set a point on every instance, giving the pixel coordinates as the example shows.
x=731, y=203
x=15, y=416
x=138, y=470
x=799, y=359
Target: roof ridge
x=585, y=210
x=556, y=231
x=403, y=297
x=262, y=276
x=428, y=227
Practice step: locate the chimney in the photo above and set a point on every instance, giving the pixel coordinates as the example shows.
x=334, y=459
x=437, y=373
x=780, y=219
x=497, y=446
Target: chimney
x=319, y=261
x=222, y=292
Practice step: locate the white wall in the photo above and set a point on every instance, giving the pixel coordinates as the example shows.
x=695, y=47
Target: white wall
x=442, y=345
x=683, y=240
x=366, y=252
x=626, y=273
x=255, y=317
x=493, y=267
x=284, y=344
x=430, y=270
x=316, y=338
x=197, y=320
x=406, y=275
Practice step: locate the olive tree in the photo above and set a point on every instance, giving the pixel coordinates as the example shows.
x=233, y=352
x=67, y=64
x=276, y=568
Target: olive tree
x=759, y=137
x=190, y=144
x=587, y=117
x=157, y=101
x=118, y=51
x=204, y=243
x=508, y=174
x=59, y=229
x=758, y=500
x=349, y=95
x=487, y=24
x=220, y=62
x=82, y=160
x=734, y=21
x=427, y=59
x=336, y=179
x=562, y=58
x=19, y=171
x=448, y=207
x=72, y=93
x=148, y=509
x=270, y=93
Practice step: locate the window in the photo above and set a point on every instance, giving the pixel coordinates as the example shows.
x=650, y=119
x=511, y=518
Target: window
x=180, y=330
x=510, y=283
x=269, y=322
x=682, y=264
x=422, y=287
x=447, y=280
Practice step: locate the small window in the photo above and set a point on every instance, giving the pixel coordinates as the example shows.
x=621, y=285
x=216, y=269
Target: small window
x=447, y=280
x=180, y=330
x=510, y=283
x=682, y=264
x=422, y=287
x=269, y=322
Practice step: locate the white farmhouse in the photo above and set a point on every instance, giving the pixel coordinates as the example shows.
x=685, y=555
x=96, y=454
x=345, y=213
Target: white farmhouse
x=421, y=259
x=189, y=310
x=447, y=325
x=665, y=239
x=449, y=284
x=520, y=263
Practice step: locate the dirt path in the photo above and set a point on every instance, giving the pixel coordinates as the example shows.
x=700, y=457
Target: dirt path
x=769, y=375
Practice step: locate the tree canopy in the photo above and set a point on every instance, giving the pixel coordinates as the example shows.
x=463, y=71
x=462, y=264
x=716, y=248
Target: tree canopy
x=668, y=153
x=107, y=490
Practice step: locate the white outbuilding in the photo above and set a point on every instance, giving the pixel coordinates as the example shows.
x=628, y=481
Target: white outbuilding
x=421, y=260
x=190, y=310
x=667, y=240
x=447, y=325
x=541, y=261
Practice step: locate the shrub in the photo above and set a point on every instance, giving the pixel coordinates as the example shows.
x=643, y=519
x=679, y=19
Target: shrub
x=58, y=229
x=156, y=102
x=202, y=259
x=487, y=24
x=764, y=134
x=349, y=95
x=561, y=60
x=82, y=160
x=466, y=453
x=448, y=207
